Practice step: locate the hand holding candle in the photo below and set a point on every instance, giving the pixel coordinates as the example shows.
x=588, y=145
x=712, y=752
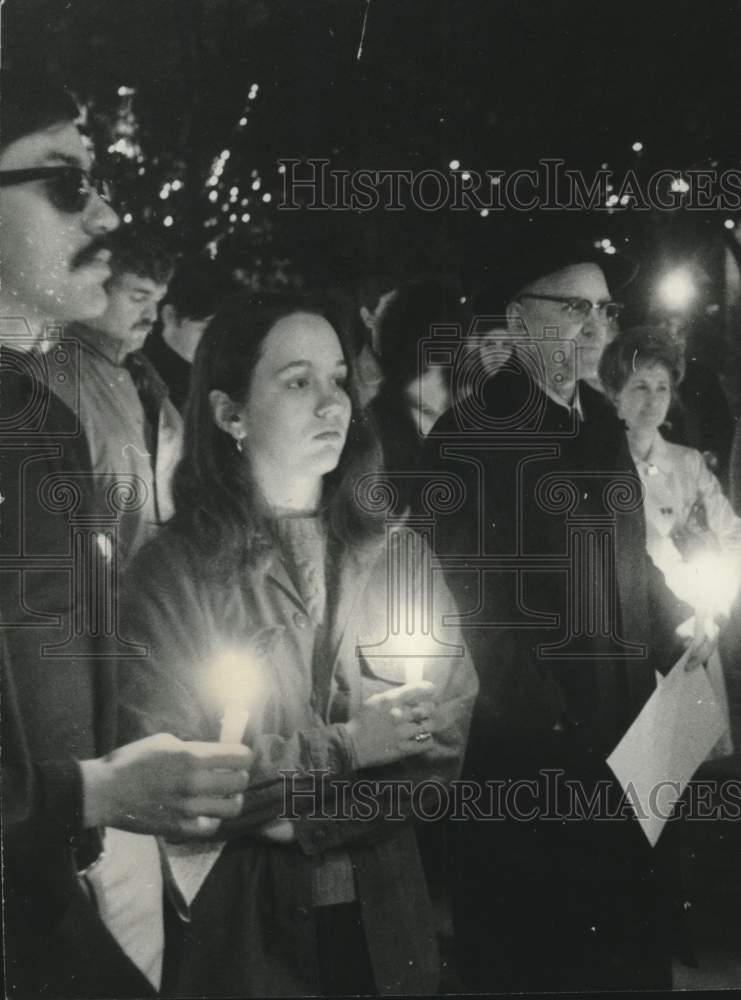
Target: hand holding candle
x=717, y=582
x=418, y=712
x=414, y=673
x=389, y=724
x=708, y=580
x=234, y=683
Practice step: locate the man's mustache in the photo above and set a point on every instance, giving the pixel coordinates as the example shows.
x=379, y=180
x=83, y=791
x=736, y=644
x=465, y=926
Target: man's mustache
x=88, y=253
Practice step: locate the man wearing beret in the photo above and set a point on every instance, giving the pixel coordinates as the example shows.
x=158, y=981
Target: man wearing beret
x=559, y=889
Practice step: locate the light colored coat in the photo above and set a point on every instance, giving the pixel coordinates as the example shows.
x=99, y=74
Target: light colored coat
x=674, y=479
x=88, y=374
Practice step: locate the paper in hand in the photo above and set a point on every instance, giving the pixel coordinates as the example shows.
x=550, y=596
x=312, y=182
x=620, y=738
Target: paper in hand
x=673, y=734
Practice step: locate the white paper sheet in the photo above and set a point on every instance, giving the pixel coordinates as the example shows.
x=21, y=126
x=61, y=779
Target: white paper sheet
x=127, y=884
x=673, y=734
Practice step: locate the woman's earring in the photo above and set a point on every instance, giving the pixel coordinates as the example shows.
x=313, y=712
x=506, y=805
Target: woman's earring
x=237, y=433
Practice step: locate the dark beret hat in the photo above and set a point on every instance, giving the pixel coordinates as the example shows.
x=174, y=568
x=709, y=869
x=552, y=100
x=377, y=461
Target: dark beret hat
x=532, y=258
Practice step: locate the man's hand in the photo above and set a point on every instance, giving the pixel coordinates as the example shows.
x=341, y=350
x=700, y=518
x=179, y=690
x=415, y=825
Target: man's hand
x=163, y=785
x=393, y=724
x=278, y=831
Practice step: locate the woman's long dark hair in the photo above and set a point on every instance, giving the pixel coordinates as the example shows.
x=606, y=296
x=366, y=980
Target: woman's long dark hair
x=216, y=501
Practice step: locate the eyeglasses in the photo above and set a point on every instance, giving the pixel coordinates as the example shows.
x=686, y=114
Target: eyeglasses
x=581, y=308
x=69, y=189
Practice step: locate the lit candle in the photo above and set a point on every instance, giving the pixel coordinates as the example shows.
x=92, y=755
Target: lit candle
x=234, y=681
x=233, y=722
x=715, y=579
x=414, y=670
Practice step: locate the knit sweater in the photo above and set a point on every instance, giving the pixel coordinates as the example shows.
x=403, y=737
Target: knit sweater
x=303, y=542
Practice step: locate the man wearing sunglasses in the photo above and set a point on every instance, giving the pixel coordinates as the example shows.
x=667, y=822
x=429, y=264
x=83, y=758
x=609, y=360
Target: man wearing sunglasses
x=63, y=781
x=550, y=570
x=55, y=221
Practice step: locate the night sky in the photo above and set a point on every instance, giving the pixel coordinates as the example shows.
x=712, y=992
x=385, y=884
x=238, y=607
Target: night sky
x=510, y=79
x=494, y=84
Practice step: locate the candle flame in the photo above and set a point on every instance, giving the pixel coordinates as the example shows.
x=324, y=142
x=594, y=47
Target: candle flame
x=708, y=580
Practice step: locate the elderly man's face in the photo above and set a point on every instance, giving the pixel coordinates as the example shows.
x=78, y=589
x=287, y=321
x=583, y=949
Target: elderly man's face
x=54, y=261
x=570, y=341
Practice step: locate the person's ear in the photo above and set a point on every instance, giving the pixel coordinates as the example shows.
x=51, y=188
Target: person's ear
x=612, y=395
x=226, y=414
x=515, y=319
x=367, y=317
x=169, y=315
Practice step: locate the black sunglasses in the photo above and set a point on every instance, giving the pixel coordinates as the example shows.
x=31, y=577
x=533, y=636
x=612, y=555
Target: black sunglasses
x=69, y=189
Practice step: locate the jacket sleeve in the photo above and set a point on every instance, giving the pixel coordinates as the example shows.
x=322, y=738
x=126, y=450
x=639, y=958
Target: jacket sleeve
x=44, y=476
x=41, y=799
x=722, y=519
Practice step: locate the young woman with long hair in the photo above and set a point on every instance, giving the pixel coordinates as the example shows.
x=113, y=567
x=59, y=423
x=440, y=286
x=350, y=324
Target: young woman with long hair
x=278, y=574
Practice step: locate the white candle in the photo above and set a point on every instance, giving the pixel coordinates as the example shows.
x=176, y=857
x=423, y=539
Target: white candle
x=233, y=722
x=234, y=683
x=415, y=670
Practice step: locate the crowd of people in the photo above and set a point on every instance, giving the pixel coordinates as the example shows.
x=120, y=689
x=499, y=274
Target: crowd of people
x=280, y=570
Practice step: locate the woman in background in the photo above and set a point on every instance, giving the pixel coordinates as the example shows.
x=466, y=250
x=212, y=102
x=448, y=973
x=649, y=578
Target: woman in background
x=692, y=532
x=273, y=573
